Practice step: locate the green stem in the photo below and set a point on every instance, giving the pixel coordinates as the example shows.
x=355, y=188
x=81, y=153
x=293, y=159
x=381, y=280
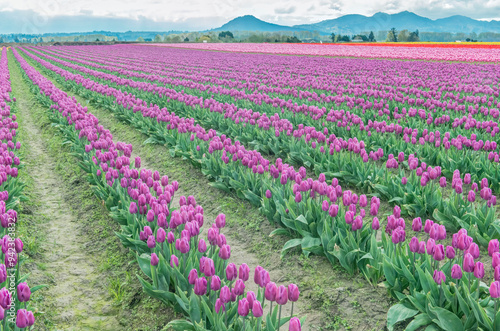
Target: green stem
x=279, y=319
x=291, y=314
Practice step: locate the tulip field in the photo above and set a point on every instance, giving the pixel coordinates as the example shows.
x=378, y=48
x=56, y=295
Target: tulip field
x=380, y=161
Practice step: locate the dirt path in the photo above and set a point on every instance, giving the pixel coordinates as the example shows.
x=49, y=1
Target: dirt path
x=75, y=295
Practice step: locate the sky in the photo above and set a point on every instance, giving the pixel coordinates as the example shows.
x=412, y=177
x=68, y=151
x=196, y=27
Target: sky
x=40, y=16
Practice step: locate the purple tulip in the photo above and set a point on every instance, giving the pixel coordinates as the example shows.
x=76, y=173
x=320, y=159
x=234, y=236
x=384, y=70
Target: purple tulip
x=268, y=194
x=155, y=260
x=243, y=307
x=479, y=270
x=495, y=289
x=438, y=254
x=23, y=292
x=417, y=224
x=493, y=247
x=193, y=275
x=293, y=292
x=474, y=250
x=456, y=272
x=282, y=295
x=450, y=252
x=239, y=287
x=468, y=263
x=414, y=245
x=200, y=286
x=257, y=309
x=231, y=272
x=22, y=319
x=215, y=283
x=439, y=277
x=428, y=226
x=225, y=294
x=219, y=305
x=5, y=298
x=271, y=291
x=225, y=252
x=375, y=224
x=174, y=261
x=294, y=324
x=244, y=272
x=333, y=210
x=202, y=246
x=251, y=297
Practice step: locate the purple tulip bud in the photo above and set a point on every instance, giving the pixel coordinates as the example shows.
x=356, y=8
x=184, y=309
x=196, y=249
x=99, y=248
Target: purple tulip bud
x=493, y=247
x=421, y=247
x=271, y=291
x=3, y=274
x=18, y=245
x=215, y=283
x=5, y=298
x=333, y=210
x=325, y=205
x=450, y=252
x=375, y=224
x=225, y=294
x=495, y=290
x=417, y=224
x=428, y=226
x=479, y=270
x=414, y=245
x=257, y=309
x=243, y=307
x=200, y=286
x=231, y=272
x=442, y=182
x=193, y=275
x=268, y=194
x=202, y=246
x=23, y=292
x=133, y=208
x=218, y=305
x=220, y=221
x=474, y=250
x=225, y=252
x=439, y=277
x=155, y=260
x=404, y=180
x=431, y=244
x=282, y=295
x=174, y=261
x=496, y=273
x=456, y=272
x=438, y=254
x=251, y=297
x=294, y=324
x=293, y=292
x=137, y=162
x=244, y=272
x=468, y=263
x=239, y=287
x=22, y=318
x=151, y=242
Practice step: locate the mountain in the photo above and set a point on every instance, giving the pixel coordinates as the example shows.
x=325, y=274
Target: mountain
x=252, y=23
x=353, y=24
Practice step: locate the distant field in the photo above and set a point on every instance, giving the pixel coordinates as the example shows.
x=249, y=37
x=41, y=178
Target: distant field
x=477, y=52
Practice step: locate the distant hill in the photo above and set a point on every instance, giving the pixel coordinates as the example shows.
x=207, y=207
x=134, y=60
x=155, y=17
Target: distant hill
x=352, y=24
x=252, y=23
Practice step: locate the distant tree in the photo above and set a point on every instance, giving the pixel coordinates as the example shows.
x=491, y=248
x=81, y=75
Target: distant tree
x=97, y=39
x=403, y=36
x=158, y=38
x=360, y=37
x=371, y=37
x=392, y=35
x=414, y=36
x=293, y=39
x=1, y=39
x=176, y=39
x=467, y=40
x=16, y=40
x=332, y=37
x=226, y=35
x=186, y=39
x=345, y=38
x=140, y=39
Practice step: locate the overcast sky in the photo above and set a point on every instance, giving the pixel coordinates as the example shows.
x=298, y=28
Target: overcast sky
x=45, y=15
